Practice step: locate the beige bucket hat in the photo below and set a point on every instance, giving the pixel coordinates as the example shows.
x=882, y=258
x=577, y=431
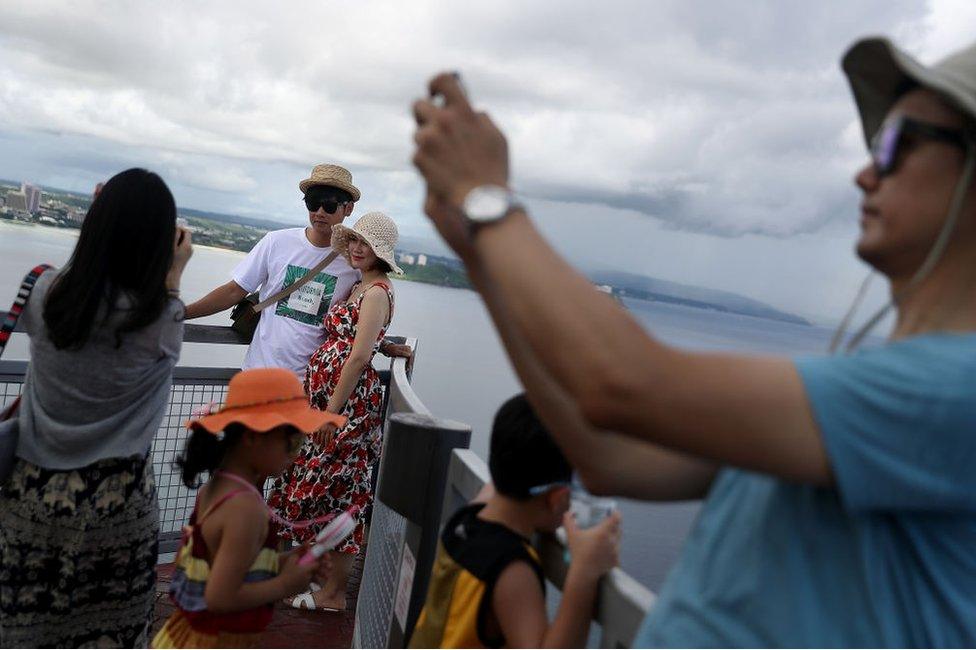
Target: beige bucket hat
x=377, y=230
x=333, y=176
x=877, y=72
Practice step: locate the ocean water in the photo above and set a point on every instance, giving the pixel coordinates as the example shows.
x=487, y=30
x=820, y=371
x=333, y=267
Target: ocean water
x=461, y=371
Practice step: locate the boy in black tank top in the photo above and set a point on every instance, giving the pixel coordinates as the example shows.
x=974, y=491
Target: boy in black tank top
x=487, y=588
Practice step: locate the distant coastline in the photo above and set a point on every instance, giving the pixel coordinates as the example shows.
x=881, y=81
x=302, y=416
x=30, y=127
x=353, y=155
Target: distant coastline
x=437, y=271
x=64, y=209
x=449, y=272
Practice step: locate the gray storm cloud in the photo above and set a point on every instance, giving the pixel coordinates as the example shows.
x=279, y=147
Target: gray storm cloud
x=689, y=112
x=722, y=120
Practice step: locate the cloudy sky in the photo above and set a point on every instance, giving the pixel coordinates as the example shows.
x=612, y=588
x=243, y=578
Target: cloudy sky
x=703, y=142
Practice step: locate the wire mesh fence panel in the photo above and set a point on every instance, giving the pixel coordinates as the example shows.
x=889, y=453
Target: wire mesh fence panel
x=175, y=498
x=9, y=391
x=374, y=611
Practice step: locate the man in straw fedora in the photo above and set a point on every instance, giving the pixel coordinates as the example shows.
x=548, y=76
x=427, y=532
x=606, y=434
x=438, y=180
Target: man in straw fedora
x=840, y=491
x=290, y=331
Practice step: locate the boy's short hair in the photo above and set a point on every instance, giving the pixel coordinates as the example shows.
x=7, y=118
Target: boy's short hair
x=523, y=454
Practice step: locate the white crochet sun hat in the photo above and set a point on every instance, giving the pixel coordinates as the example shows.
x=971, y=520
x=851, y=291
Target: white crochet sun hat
x=377, y=230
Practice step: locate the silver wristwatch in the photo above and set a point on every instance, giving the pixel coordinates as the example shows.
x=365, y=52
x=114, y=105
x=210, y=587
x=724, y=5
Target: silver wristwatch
x=488, y=203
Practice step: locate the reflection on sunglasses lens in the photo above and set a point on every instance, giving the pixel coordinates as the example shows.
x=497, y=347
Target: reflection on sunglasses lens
x=884, y=147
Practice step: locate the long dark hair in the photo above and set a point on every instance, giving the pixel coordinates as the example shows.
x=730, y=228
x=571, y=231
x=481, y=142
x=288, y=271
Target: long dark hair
x=204, y=452
x=125, y=248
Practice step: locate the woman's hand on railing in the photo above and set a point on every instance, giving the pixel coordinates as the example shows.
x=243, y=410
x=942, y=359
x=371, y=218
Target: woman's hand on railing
x=389, y=349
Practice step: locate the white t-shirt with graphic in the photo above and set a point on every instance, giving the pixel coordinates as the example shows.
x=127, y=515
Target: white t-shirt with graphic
x=290, y=331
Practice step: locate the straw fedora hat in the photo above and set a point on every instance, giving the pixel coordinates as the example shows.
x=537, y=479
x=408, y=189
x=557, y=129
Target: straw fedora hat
x=878, y=72
x=333, y=176
x=377, y=230
x=264, y=398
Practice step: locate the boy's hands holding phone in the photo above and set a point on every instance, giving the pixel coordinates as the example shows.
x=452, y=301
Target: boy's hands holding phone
x=595, y=550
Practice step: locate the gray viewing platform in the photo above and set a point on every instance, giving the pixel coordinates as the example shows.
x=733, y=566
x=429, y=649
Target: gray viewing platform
x=426, y=473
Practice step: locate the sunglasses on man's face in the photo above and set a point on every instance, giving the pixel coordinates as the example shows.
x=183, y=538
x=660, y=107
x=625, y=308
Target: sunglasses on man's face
x=329, y=204
x=890, y=140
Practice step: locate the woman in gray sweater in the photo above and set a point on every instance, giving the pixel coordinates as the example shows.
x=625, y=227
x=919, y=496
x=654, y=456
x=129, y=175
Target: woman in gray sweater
x=78, y=516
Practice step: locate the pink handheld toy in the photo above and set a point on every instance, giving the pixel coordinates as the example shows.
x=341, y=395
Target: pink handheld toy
x=332, y=535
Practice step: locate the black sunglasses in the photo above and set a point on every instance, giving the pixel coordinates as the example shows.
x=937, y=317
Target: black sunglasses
x=330, y=204
x=888, y=142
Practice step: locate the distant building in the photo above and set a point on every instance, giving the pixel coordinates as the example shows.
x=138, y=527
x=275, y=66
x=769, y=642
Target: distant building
x=17, y=201
x=182, y=222
x=32, y=193
x=407, y=258
x=605, y=288
x=76, y=216
x=421, y=260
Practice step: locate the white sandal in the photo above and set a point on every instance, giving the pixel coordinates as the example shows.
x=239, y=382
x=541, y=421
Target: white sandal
x=302, y=601
x=305, y=600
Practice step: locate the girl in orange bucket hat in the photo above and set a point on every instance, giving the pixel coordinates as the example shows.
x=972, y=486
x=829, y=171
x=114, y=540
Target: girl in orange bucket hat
x=228, y=569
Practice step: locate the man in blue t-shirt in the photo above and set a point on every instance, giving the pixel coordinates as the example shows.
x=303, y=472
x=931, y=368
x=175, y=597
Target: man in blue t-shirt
x=884, y=557
x=840, y=491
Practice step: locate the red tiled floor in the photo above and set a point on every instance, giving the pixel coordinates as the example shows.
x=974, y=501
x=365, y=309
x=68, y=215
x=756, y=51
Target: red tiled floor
x=290, y=628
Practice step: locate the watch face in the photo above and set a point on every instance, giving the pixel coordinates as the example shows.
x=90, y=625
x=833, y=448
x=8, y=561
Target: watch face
x=487, y=203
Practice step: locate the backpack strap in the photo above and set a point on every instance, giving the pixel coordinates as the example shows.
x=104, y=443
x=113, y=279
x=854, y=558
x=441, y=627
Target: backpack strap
x=10, y=322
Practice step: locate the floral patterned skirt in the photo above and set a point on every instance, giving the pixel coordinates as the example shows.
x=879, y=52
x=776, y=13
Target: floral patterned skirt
x=325, y=481
x=78, y=555
x=332, y=479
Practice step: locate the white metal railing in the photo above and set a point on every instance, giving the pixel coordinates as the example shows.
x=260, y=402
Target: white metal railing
x=193, y=387
x=401, y=396
x=622, y=602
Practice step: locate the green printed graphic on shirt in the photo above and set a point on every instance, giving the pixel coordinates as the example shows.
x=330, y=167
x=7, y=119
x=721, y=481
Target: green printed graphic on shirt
x=309, y=303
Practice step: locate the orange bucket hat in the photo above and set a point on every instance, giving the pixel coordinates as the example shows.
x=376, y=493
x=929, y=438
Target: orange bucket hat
x=262, y=399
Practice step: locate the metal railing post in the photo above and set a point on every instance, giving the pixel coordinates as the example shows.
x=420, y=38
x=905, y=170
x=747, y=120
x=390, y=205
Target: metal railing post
x=405, y=526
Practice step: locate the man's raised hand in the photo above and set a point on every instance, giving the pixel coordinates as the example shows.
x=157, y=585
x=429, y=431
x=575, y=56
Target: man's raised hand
x=458, y=149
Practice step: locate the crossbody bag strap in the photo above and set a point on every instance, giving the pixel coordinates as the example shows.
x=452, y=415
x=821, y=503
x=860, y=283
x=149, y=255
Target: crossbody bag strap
x=10, y=322
x=295, y=286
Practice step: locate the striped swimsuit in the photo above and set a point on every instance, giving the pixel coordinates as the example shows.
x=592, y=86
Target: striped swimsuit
x=192, y=626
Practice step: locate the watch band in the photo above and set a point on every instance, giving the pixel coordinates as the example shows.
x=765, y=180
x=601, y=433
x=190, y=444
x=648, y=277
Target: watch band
x=488, y=203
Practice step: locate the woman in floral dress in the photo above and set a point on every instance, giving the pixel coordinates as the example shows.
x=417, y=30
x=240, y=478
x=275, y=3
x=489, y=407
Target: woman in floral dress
x=332, y=473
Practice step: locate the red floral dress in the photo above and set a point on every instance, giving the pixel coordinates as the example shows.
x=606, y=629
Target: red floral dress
x=332, y=479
